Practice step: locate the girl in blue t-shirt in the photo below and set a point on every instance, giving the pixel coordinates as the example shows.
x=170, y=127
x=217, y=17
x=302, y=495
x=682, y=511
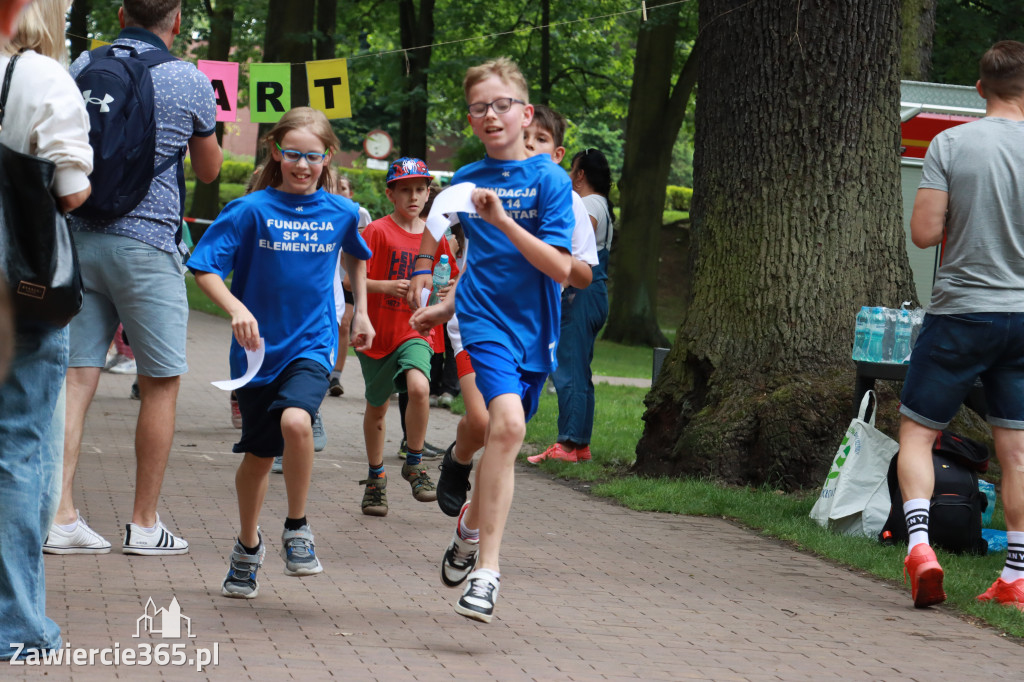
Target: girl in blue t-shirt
x=281, y=242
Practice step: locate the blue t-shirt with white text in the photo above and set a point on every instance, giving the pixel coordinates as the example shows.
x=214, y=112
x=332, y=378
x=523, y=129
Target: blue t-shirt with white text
x=283, y=249
x=502, y=298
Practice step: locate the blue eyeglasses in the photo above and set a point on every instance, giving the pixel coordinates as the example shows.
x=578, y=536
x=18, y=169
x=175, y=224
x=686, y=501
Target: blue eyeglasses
x=293, y=155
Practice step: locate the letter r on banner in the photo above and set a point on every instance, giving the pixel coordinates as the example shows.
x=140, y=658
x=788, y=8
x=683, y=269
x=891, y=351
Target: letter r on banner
x=328, y=87
x=224, y=78
x=270, y=92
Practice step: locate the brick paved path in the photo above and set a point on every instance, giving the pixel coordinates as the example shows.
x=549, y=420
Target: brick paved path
x=590, y=591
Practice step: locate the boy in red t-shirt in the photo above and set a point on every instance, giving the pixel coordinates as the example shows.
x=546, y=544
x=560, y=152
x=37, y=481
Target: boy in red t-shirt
x=399, y=359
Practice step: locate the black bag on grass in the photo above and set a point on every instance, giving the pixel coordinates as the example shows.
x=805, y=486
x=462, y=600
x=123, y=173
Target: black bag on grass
x=956, y=504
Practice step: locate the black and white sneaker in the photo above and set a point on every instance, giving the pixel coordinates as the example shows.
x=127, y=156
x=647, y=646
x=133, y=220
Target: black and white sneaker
x=460, y=557
x=477, y=601
x=152, y=543
x=453, y=483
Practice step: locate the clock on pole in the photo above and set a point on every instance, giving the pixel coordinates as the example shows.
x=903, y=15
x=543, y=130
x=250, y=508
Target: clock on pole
x=378, y=145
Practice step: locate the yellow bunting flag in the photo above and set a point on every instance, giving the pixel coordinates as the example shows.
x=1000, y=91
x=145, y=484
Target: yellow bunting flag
x=93, y=43
x=328, y=87
x=270, y=92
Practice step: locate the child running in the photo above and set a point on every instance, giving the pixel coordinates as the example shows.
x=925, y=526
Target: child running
x=508, y=301
x=399, y=359
x=282, y=243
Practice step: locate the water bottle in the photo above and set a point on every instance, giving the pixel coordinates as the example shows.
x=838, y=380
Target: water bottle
x=889, y=337
x=901, y=347
x=917, y=319
x=989, y=491
x=876, y=332
x=442, y=275
x=861, y=334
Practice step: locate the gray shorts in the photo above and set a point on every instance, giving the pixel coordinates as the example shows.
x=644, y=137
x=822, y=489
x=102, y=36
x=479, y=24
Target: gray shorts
x=141, y=287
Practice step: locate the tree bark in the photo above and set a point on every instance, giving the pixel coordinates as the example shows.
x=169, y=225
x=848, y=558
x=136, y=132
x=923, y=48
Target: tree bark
x=656, y=110
x=78, y=27
x=326, y=23
x=206, y=196
x=796, y=224
x=417, y=31
x=289, y=38
x=918, y=17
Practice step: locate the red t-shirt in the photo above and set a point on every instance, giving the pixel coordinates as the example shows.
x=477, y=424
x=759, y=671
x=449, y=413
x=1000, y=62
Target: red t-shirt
x=394, y=254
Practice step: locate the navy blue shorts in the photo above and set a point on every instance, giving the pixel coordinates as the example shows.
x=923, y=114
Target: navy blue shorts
x=303, y=383
x=954, y=350
x=497, y=374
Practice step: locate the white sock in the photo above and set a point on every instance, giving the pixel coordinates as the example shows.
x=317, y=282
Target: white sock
x=67, y=528
x=466, y=533
x=1014, y=567
x=336, y=375
x=487, y=571
x=916, y=512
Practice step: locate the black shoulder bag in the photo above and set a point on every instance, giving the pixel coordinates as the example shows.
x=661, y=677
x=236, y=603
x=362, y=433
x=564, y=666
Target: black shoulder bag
x=37, y=254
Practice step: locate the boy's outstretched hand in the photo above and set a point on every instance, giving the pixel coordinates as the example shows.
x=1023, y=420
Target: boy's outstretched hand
x=362, y=334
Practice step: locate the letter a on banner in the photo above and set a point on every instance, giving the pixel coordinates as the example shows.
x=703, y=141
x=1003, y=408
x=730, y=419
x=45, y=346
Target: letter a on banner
x=270, y=92
x=328, y=87
x=224, y=78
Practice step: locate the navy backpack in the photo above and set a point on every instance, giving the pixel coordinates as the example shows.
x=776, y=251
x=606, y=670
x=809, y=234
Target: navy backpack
x=120, y=100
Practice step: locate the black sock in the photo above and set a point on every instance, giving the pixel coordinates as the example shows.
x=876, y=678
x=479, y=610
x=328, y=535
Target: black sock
x=251, y=550
x=294, y=524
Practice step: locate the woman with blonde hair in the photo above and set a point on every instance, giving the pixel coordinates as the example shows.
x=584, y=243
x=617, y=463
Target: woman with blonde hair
x=44, y=116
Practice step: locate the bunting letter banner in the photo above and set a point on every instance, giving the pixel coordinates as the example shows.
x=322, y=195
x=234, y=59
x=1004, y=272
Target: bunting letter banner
x=224, y=78
x=328, y=87
x=270, y=92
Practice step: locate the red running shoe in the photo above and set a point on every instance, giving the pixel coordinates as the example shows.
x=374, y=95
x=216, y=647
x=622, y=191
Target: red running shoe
x=1002, y=592
x=583, y=454
x=925, y=576
x=556, y=451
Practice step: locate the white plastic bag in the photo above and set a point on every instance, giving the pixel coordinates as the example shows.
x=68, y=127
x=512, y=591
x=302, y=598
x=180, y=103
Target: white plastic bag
x=855, y=497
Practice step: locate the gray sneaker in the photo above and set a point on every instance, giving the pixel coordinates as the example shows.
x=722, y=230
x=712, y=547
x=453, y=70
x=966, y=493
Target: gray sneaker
x=319, y=434
x=298, y=552
x=278, y=466
x=241, y=582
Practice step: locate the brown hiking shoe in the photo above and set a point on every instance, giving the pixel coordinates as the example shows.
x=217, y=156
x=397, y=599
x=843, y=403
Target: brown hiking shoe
x=422, y=487
x=375, y=497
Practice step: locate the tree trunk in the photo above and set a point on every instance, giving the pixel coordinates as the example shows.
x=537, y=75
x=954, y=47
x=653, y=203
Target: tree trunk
x=916, y=44
x=417, y=29
x=78, y=27
x=206, y=196
x=289, y=38
x=656, y=109
x=796, y=224
x=326, y=23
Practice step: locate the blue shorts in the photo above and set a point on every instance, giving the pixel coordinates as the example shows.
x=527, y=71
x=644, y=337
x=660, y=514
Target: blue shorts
x=303, y=383
x=140, y=286
x=954, y=350
x=497, y=374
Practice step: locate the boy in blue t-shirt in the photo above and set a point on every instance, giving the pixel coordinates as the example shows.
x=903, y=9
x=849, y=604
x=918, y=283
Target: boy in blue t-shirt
x=282, y=244
x=507, y=301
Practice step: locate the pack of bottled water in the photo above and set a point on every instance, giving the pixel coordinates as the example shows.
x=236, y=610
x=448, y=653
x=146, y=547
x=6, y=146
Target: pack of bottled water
x=886, y=334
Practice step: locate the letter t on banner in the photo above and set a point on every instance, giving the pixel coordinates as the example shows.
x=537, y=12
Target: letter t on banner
x=270, y=92
x=224, y=78
x=328, y=87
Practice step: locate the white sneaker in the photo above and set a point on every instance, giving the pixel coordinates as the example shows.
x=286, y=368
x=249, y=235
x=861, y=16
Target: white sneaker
x=124, y=366
x=477, y=601
x=158, y=541
x=81, y=540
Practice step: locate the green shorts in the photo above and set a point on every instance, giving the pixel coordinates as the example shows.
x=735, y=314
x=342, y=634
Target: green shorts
x=387, y=375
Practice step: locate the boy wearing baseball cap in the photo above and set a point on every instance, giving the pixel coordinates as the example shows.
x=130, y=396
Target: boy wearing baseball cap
x=399, y=359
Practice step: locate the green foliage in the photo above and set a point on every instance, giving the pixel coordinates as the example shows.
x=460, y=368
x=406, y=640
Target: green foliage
x=678, y=198
x=964, y=29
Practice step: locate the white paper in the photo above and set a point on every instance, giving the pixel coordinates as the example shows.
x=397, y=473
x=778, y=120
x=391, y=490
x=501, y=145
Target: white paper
x=424, y=297
x=453, y=199
x=254, y=358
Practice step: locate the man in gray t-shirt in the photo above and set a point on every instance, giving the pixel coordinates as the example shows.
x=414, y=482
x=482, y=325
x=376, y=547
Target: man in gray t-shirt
x=971, y=198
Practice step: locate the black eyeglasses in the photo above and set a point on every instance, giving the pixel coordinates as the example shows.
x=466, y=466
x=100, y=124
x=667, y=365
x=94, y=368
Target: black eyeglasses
x=500, y=106
x=293, y=155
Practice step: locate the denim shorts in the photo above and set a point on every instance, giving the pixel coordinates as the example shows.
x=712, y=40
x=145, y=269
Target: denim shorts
x=302, y=383
x=140, y=286
x=497, y=374
x=953, y=351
